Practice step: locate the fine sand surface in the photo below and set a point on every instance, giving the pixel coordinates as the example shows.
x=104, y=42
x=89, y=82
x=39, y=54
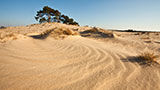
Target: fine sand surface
x=90, y=61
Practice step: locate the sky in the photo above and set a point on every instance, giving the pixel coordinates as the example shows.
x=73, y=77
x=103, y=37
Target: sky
x=108, y=14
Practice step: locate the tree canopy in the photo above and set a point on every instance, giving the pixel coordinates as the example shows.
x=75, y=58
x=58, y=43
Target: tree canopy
x=50, y=15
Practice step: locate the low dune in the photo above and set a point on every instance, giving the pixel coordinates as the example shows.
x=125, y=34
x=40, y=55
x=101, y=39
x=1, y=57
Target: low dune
x=53, y=56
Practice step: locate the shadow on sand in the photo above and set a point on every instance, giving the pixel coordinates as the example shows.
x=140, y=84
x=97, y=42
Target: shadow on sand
x=42, y=35
x=139, y=61
x=96, y=33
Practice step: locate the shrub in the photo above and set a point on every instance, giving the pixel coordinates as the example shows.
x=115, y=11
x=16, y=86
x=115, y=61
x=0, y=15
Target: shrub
x=63, y=32
x=147, y=58
x=130, y=30
x=68, y=32
x=2, y=27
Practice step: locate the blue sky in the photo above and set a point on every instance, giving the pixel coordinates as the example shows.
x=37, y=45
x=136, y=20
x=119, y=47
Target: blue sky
x=111, y=14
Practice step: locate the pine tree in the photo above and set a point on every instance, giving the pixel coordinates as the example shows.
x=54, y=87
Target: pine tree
x=50, y=15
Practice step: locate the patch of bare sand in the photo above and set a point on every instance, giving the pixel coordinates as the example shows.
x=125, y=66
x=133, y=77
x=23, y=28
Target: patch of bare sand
x=77, y=62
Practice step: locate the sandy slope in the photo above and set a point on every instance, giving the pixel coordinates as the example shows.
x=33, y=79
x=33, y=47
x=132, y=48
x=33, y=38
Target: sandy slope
x=77, y=63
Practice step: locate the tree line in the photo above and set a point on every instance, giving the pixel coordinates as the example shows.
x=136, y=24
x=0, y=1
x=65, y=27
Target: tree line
x=50, y=15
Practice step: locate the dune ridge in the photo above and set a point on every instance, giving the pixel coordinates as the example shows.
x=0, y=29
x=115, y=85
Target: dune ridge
x=96, y=60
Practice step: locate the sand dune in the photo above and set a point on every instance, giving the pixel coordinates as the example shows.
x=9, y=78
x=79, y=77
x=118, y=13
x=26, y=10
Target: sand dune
x=87, y=62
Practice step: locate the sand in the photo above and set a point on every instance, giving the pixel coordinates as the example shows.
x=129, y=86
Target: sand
x=76, y=62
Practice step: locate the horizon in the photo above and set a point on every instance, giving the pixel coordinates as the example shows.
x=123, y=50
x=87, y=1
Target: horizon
x=108, y=14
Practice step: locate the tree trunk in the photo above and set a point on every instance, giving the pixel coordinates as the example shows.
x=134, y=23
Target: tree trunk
x=49, y=18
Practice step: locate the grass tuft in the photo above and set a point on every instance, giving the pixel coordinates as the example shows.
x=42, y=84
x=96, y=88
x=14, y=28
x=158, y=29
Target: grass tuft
x=148, y=58
x=63, y=32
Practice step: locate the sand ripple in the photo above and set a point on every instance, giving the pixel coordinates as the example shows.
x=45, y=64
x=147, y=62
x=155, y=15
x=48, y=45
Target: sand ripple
x=74, y=63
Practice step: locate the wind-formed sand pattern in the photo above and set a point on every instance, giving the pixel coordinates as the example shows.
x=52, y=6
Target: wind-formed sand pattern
x=91, y=60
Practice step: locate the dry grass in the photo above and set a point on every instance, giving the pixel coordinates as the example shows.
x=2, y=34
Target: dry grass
x=46, y=32
x=66, y=32
x=7, y=36
x=94, y=30
x=97, y=33
x=63, y=32
x=148, y=58
x=55, y=33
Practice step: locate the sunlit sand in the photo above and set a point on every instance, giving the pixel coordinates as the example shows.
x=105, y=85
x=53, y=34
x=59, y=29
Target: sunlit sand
x=81, y=58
